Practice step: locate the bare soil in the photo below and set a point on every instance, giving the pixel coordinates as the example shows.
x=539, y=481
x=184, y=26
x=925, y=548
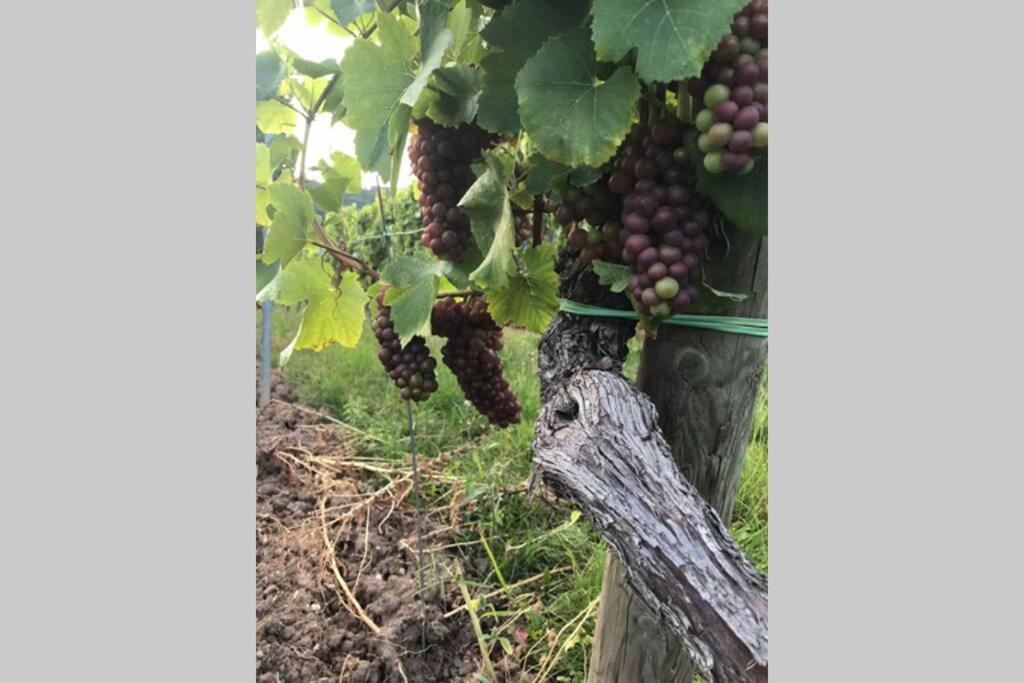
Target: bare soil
x=312, y=481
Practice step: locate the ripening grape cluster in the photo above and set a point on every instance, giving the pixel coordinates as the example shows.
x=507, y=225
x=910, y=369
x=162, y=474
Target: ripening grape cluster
x=523, y=226
x=441, y=159
x=470, y=352
x=410, y=367
x=663, y=219
x=598, y=206
x=733, y=93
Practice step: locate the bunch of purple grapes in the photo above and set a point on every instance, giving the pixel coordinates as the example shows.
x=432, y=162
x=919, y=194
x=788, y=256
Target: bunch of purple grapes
x=473, y=338
x=411, y=366
x=600, y=208
x=441, y=159
x=663, y=219
x=732, y=92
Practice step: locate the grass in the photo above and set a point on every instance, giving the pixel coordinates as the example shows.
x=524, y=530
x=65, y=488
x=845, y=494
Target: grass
x=505, y=536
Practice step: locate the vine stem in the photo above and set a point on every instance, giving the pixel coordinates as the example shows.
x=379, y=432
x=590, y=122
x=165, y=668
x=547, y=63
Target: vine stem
x=417, y=500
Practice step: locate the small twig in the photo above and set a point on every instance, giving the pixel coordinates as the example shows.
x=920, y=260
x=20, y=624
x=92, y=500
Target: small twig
x=353, y=606
x=511, y=586
x=554, y=655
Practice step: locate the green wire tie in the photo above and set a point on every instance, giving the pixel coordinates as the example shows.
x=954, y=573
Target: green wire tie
x=755, y=327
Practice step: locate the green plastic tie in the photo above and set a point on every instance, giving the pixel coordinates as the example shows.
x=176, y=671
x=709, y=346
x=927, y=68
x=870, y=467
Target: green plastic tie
x=754, y=327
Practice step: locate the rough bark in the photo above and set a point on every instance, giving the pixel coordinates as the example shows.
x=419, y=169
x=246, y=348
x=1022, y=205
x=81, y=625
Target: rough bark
x=704, y=385
x=598, y=444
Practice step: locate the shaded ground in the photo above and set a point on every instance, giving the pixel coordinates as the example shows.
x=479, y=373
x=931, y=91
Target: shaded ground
x=314, y=492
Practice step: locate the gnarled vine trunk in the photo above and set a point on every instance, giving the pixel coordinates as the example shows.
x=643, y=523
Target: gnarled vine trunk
x=685, y=598
x=704, y=385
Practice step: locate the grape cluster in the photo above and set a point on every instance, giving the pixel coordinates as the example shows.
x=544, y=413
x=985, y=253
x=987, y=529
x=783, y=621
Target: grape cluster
x=732, y=92
x=600, y=208
x=441, y=159
x=411, y=366
x=470, y=353
x=663, y=219
x=523, y=227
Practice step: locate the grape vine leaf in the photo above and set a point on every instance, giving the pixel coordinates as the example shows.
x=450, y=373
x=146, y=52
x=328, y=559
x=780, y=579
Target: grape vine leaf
x=456, y=99
x=673, y=38
x=742, y=198
x=293, y=214
x=572, y=117
x=348, y=11
x=269, y=72
x=265, y=272
x=530, y=298
x=327, y=67
x=333, y=100
x=283, y=149
x=615, y=276
x=330, y=316
x=262, y=202
x=518, y=31
x=458, y=272
x=542, y=174
x=486, y=204
x=414, y=283
x=262, y=165
x=271, y=14
x=467, y=47
x=433, y=17
x=274, y=118
x=380, y=79
x=338, y=177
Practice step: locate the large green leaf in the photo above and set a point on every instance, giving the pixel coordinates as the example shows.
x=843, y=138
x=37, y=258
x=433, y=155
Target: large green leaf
x=458, y=272
x=341, y=175
x=542, y=174
x=271, y=14
x=490, y=214
x=330, y=316
x=530, y=298
x=274, y=118
x=293, y=214
x=284, y=149
x=262, y=165
x=572, y=117
x=673, y=38
x=269, y=72
x=327, y=67
x=414, y=282
x=742, y=198
x=518, y=30
x=433, y=16
x=379, y=80
x=615, y=276
x=348, y=10
x=455, y=100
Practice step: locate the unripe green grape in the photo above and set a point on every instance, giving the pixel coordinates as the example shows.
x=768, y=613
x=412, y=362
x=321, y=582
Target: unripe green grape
x=662, y=310
x=760, y=132
x=713, y=162
x=704, y=143
x=704, y=120
x=746, y=169
x=594, y=237
x=680, y=155
x=715, y=94
x=666, y=287
x=750, y=46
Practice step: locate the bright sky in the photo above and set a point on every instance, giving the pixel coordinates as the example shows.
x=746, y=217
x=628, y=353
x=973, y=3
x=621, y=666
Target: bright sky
x=315, y=43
